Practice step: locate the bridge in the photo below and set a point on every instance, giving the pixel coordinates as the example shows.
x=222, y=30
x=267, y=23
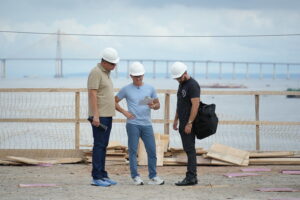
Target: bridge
x=206, y=67
x=157, y=66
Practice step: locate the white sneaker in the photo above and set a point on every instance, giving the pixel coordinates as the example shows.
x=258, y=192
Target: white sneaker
x=156, y=181
x=138, y=181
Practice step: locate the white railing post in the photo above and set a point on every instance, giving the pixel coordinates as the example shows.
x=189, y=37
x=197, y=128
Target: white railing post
x=220, y=70
x=154, y=69
x=233, y=70
x=206, y=70
x=288, y=71
x=274, y=71
x=247, y=70
x=167, y=69
x=2, y=69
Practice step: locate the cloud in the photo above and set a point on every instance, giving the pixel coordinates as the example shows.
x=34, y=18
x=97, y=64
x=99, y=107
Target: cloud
x=159, y=18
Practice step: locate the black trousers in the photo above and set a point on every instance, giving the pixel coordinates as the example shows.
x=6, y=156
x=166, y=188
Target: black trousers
x=188, y=143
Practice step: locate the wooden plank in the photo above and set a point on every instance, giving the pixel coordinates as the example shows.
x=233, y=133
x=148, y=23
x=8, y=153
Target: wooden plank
x=255, y=170
x=42, y=161
x=274, y=161
x=171, y=162
x=291, y=172
x=77, y=117
x=7, y=162
x=43, y=90
x=159, y=149
x=257, y=119
x=220, y=163
x=229, y=154
x=159, y=121
x=203, y=161
x=38, y=120
x=167, y=114
x=41, y=153
x=115, y=158
x=182, y=160
x=231, y=175
x=271, y=154
x=29, y=160
x=142, y=154
x=115, y=145
x=165, y=140
x=204, y=92
x=38, y=185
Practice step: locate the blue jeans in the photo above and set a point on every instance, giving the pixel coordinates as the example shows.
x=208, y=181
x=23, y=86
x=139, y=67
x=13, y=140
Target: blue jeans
x=101, y=139
x=134, y=132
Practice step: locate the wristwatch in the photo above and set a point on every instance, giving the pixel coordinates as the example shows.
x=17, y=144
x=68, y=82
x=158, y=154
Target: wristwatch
x=190, y=122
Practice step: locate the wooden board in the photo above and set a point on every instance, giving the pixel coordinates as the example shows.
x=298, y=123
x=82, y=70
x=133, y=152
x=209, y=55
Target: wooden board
x=41, y=153
x=229, y=154
x=42, y=161
x=171, y=162
x=165, y=139
x=115, y=145
x=142, y=154
x=182, y=160
x=7, y=162
x=29, y=160
x=271, y=154
x=220, y=163
x=274, y=161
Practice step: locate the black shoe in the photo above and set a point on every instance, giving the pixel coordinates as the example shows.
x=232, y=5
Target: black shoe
x=187, y=182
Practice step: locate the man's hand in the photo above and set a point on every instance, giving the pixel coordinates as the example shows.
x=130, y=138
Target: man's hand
x=188, y=128
x=155, y=105
x=175, y=125
x=96, y=121
x=129, y=115
x=152, y=105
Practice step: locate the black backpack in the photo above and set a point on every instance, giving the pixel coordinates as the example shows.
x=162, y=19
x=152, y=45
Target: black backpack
x=206, y=121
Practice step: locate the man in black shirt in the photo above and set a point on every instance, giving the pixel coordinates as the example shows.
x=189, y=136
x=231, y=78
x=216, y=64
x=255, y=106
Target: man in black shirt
x=188, y=99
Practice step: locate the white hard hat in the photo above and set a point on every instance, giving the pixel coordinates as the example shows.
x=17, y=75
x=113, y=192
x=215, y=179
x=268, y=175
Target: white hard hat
x=136, y=69
x=110, y=55
x=178, y=69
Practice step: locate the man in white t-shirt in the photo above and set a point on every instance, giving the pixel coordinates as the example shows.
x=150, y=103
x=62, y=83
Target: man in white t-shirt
x=140, y=98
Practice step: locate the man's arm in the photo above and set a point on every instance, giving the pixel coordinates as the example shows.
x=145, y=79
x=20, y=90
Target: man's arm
x=193, y=114
x=94, y=106
x=121, y=110
x=175, y=123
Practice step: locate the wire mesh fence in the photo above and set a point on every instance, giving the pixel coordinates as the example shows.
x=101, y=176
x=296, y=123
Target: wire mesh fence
x=56, y=119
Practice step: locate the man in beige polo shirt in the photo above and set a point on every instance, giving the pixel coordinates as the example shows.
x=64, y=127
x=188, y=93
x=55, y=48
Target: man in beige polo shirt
x=101, y=111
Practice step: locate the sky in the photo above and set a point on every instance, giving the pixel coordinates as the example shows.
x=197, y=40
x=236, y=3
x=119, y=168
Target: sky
x=144, y=17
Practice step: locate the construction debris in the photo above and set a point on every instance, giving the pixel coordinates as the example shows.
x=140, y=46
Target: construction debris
x=37, y=185
x=161, y=141
x=291, y=172
x=275, y=161
x=230, y=175
x=256, y=170
x=116, y=153
x=40, y=157
x=42, y=161
x=217, y=155
x=229, y=154
x=271, y=154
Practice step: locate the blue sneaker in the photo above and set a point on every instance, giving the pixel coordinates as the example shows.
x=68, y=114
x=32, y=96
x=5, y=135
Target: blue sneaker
x=112, y=182
x=100, y=182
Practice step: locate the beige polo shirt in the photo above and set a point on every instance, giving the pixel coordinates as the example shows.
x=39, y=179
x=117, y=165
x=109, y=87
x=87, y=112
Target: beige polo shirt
x=99, y=79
